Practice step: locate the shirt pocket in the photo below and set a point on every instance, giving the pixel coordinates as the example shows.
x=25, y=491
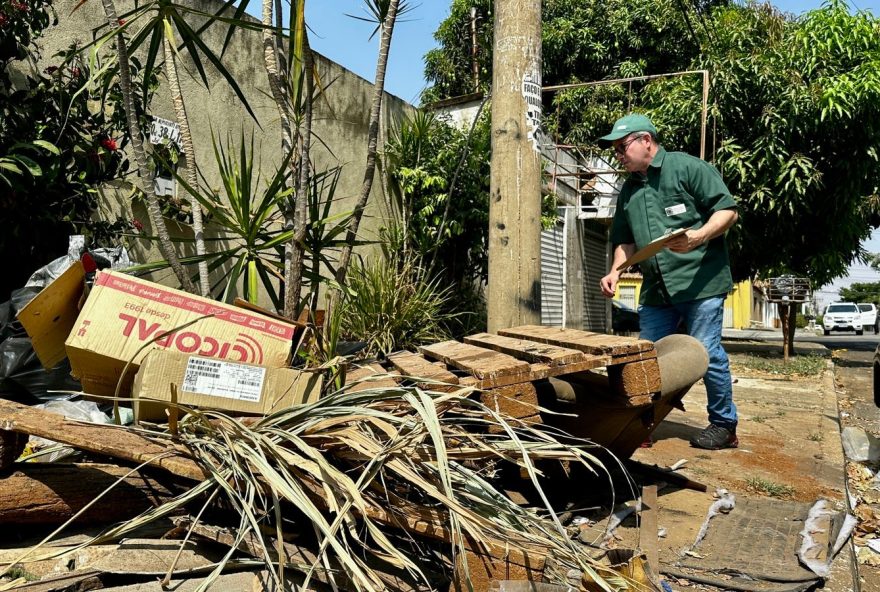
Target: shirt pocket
x=679, y=211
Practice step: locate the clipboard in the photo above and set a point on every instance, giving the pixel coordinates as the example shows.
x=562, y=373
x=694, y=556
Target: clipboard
x=651, y=249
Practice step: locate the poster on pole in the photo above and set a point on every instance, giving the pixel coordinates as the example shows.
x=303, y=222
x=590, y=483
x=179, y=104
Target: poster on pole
x=531, y=92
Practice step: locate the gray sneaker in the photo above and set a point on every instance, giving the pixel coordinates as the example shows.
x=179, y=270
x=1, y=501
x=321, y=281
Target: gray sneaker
x=715, y=438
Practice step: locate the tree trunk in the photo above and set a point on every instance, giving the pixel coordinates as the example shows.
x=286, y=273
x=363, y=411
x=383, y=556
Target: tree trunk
x=293, y=282
x=192, y=176
x=792, y=326
x=153, y=208
x=372, y=140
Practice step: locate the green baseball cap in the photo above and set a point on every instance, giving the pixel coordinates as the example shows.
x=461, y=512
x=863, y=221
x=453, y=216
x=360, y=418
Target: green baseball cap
x=624, y=126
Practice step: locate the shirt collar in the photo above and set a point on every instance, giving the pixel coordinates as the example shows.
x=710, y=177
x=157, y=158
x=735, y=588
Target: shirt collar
x=658, y=157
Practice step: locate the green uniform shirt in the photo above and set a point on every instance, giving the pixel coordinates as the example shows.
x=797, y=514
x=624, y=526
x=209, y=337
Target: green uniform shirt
x=679, y=191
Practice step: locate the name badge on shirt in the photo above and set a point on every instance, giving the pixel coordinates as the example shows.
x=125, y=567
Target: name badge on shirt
x=676, y=210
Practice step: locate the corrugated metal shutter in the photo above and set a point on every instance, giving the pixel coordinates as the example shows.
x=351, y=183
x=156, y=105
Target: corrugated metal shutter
x=553, y=276
x=595, y=305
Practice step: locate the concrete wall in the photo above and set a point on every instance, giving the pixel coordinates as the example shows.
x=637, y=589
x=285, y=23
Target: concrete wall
x=341, y=115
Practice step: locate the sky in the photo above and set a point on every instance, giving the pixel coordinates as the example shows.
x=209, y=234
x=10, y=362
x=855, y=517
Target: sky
x=345, y=40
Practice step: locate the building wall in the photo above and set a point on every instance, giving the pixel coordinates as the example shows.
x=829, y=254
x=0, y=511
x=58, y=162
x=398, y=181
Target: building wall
x=738, y=305
x=341, y=116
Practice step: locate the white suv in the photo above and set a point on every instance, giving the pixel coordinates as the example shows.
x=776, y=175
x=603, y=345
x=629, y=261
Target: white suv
x=842, y=316
x=869, y=316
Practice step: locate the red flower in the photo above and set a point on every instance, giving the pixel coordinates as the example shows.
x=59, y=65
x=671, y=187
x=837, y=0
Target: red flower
x=109, y=144
x=3, y=19
x=21, y=6
x=138, y=225
x=75, y=72
x=121, y=22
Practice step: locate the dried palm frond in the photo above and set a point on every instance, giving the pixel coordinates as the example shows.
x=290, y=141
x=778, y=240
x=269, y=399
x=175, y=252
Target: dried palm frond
x=369, y=469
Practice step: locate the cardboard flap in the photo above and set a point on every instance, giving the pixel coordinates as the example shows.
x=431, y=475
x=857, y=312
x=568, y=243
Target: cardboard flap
x=51, y=315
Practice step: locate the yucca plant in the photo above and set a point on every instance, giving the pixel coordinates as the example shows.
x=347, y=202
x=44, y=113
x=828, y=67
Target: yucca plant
x=246, y=212
x=359, y=467
x=392, y=304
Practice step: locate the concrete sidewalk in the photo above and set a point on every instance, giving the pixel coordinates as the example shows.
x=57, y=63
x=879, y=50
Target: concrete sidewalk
x=790, y=451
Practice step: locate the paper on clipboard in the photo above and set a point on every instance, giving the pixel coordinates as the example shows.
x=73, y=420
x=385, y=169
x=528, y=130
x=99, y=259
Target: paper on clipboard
x=651, y=249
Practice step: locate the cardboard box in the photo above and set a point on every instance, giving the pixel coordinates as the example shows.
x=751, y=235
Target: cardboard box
x=123, y=316
x=218, y=384
x=51, y=315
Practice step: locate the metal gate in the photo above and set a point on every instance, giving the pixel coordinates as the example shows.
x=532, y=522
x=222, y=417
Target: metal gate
x=553, y=267
x=595, y=266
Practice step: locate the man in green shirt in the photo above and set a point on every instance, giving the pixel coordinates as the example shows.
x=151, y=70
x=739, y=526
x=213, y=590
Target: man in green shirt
x=688, y=281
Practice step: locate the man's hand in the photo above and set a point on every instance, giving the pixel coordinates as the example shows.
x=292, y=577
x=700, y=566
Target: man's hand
x=609, y=283
x=684, y=243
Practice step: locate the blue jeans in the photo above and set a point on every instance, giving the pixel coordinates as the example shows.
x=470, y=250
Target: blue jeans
x=703, y=319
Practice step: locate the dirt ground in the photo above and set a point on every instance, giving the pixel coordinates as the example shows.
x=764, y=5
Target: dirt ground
x=790, y=449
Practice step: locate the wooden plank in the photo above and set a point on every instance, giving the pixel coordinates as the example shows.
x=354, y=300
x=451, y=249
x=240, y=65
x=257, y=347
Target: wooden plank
x=648, y=528
x=362, y=373
x=481, y=363
x=531, y=351
x=637, y=357
x=635, y=378
x=585, y=341
x=110, y=440
x=536, y=372
x=415, y=365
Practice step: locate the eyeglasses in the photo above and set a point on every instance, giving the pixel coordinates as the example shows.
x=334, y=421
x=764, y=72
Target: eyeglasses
x=621, y=148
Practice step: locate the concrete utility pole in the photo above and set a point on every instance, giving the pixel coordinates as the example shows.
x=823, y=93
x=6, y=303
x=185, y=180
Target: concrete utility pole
x=514, y=296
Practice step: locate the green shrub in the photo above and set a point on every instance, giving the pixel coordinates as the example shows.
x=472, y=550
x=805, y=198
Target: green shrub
x=800, y=321
x=392, y=305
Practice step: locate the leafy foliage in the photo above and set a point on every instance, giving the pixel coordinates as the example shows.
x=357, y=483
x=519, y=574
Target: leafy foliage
x=581, y=41
x=61, y=138
x=861, y=292
x=392, y=304
x=793, y=115
x=439, y=223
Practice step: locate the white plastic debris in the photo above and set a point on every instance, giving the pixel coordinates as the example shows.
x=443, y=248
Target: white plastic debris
x=678, y=464
x=819, y=520
x=874, y=545
x=619, y=516
x=724, y=504
x=859, y=445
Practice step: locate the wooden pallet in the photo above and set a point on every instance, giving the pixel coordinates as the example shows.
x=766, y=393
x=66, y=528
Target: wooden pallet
x=519, y=355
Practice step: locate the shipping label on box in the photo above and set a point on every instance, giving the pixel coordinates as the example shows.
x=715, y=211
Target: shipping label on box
x=125, y=317
x=218, y=384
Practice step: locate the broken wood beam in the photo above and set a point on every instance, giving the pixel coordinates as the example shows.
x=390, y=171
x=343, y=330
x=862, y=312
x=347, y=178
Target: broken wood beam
x=51, y=494
x=110, y=440
x=648, y=533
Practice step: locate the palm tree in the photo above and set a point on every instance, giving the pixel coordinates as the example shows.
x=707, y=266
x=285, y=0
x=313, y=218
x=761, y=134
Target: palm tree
x=385, y=12
x=155, y=211
x=162, y=22
x=291, y=85
x=189, y=154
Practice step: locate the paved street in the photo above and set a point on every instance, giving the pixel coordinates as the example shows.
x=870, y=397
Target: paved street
x=851, y=341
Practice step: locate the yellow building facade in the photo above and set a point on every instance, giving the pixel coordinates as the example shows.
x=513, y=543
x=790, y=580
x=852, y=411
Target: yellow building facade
x=738, y=306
